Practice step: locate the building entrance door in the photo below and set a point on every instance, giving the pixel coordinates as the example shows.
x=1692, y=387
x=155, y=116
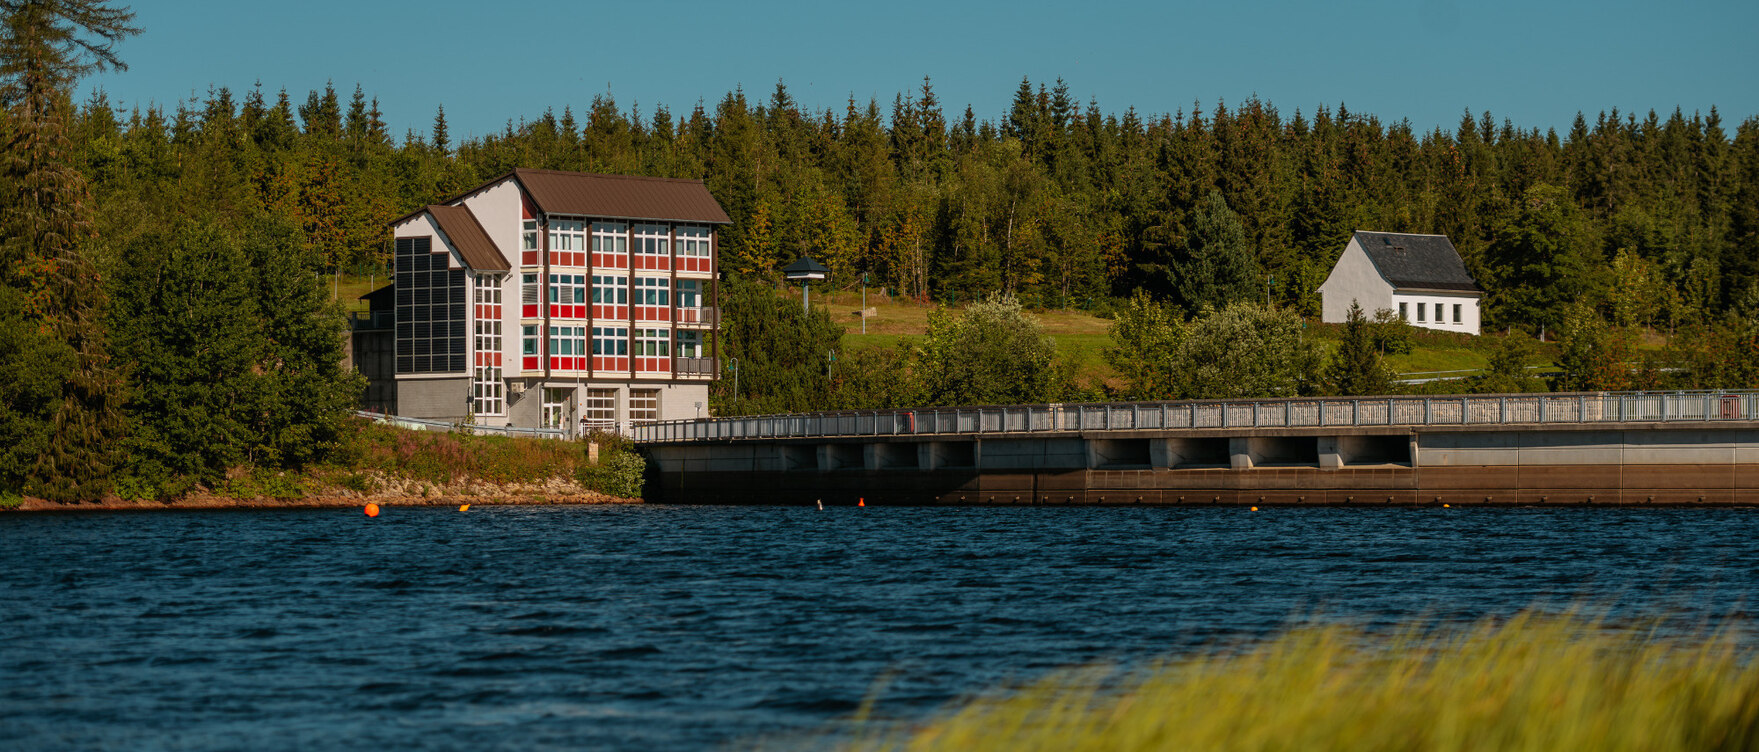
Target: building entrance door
x=556, y=408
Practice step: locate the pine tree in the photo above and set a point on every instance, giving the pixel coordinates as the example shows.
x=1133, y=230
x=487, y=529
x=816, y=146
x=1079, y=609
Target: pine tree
x=46, y=221
x=441, y=140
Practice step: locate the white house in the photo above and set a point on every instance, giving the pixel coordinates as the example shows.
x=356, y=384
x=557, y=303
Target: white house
x=558, y=299
x=1421, y=277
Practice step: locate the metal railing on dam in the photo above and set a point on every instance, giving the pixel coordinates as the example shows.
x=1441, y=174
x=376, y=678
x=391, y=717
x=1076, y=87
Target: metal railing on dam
x=1511, y=409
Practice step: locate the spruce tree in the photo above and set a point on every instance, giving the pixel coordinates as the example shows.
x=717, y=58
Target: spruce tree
x=1356, y=368
x=55, y=294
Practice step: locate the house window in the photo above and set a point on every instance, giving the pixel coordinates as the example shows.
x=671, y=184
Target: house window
x=1420, y=318
x=610, y=245
x=567, y=290
x=644, y=405
x=689, y=293
x=600, y=409
x=432, y=310
x=652, y=343
x=567, y=242
x=609, y=290
x=528, y=344
x=1456, y=313
x=486, y=395
x=528, y=295
x=528, y=244
x=692, y=241
x=610, y=340
x=486, y=386
x=689, y=343
x=652, y=240
x=693, y=249
x=1402, y=314
x=651, y=291
x=567, y=340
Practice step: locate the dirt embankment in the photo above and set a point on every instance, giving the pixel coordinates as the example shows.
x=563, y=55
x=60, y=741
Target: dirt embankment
x=385, y=492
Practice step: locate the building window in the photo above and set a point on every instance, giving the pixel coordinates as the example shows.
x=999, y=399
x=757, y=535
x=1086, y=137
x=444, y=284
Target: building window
x=528, y=296
x=644, y=405
x=432, y=310
x=653, y=240
x=486, y=395
x=567, y=242
x=652, y=343
x=599, y=411
x=693, y=249
x=610, y=245
x=528, y=244
x=610, y=340
x=568, y=296
x=567, y=340
x=651, y=291
x=689, y=293
x=692, y=241
x=528, y=347
x=1456, y=313
x=689, y=343
x=1402, y=314
x=486, y=386
x=1420, y=317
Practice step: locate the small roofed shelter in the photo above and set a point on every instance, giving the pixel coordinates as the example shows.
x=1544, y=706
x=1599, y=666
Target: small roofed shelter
x=805, y=271
x=1421, y=278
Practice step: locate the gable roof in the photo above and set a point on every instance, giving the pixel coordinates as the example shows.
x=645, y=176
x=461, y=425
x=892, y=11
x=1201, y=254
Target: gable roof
x=467, y=235
x=621, y=196
x=1423, y=262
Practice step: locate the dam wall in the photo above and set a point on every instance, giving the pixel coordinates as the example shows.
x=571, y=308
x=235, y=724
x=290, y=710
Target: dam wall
x=1584, y=456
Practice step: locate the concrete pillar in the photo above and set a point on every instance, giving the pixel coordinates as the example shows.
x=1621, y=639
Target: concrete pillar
x=1240, y=453
x=1414, y=462
x=925, y=455
x=1331, y=454
x=1160, y=452
x=1091, y=448
x=824, y=458
x=870, y=456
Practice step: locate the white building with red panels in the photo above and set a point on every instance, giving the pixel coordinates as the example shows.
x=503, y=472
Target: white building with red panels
x=558, y=299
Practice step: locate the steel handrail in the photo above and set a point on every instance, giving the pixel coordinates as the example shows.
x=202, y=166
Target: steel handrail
x=1317, y=412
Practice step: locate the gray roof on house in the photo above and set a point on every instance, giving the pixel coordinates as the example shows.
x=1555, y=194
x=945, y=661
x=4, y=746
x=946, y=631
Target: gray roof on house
x=1422, y=262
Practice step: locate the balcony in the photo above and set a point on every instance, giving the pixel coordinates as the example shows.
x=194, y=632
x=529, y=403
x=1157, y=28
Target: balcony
x=706, y=316
x=695, y=366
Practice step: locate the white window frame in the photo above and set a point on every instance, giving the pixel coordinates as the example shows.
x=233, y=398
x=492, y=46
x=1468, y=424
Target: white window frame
x=653, y=240
x=567, y=234
x=567, y=341
x=644, y=405
x=616, y=336
x=598, y=409
x=567, y=289
x=610, y=237
x=651, y=343
x=616, y=282
x=687, y=343
x=651, y=291
x=693, y=241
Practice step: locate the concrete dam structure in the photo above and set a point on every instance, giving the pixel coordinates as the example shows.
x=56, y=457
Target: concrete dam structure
x=1674, y=448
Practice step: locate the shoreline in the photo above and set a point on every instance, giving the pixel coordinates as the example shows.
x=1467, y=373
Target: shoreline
x=211, y=502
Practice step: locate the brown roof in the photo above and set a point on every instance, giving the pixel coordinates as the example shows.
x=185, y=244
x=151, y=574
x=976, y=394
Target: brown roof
x=621, y=196
x=467, y=235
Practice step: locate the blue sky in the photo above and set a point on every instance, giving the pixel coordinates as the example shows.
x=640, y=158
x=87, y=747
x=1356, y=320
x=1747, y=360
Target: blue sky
x=1427, y=60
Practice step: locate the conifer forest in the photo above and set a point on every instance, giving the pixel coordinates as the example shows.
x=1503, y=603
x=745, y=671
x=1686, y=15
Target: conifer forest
x=163, y=263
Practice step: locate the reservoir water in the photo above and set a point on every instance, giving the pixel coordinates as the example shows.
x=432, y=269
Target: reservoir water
x=672, y=627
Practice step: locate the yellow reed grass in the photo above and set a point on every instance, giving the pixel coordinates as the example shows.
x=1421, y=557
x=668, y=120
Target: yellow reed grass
x=1539, y=683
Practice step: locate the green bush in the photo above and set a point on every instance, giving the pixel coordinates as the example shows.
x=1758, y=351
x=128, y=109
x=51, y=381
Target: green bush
x=620, y=472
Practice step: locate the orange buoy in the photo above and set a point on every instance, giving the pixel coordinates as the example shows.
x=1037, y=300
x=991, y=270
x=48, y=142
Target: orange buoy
x=372, y=510
x=463, y=507
x=1255, y=509
x=861, y=501
x=1445, y=506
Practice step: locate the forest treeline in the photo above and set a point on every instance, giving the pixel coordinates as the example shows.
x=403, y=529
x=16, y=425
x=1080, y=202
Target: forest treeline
x=1057, y=202
x=163, y=323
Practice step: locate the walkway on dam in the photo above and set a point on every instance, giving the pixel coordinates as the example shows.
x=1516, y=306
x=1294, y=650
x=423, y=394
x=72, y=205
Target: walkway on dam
x=1209, y=415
